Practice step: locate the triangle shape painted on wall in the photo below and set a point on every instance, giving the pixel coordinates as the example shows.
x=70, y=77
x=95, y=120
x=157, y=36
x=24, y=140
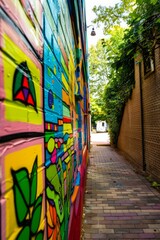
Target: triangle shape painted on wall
x=20, y=96
x=25, y=82
x=25, y=92
x=30, y=100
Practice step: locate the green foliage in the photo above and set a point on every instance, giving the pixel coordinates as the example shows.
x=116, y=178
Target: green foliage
x=98, y=79
x=117, y=92
x=112, y=16
x=142, y=34
x=100, y=60
x=97, y=112
x=155, y=184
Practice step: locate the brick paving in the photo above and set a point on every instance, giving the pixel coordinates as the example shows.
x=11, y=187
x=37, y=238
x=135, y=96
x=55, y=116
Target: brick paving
x=119, y=203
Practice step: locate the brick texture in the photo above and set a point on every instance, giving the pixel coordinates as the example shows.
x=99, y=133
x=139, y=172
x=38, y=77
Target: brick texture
x=119, y=202
x=130, y=137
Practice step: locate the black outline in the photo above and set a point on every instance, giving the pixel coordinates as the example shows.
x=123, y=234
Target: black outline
x=24, y=135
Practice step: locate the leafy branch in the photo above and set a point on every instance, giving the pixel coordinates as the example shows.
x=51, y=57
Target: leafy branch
x=141, y=35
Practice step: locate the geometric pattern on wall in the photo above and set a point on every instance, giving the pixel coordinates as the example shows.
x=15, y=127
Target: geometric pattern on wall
x=23, y=86
x=23, y=213
x=23, y=109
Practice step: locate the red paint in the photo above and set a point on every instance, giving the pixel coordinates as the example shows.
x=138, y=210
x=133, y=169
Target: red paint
x=20, y=96
x=25, y=82
x=30, y=100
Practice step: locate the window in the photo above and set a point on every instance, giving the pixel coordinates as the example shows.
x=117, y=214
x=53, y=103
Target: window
x=148, y=65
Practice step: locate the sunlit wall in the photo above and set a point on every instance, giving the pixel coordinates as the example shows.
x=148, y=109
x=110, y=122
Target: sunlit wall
x=44, y=121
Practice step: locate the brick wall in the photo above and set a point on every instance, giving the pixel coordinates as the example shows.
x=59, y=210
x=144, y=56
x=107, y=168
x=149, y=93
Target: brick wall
x=130, y=137
x=151, y=100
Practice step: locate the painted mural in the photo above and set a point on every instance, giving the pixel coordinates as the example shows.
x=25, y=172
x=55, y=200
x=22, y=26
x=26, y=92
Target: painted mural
x=44, y=118
x=22, y=188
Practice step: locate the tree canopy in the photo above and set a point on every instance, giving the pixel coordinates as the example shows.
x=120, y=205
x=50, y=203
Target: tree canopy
x=111, y=62
x=113, y=16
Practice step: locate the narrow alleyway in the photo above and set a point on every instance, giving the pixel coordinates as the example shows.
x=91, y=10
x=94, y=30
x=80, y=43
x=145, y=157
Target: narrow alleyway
x=119, y=203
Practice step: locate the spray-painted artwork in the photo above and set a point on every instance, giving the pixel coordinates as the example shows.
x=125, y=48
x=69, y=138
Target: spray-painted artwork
x=22, y=187
x=25, y=15
x=20, y=87
x=43, y=115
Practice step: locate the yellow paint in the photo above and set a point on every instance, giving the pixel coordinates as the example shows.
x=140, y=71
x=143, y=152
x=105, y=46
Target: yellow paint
x=65, y=97
x=23, y=158
x=64, y=174
x=51, y=145
x=65, y=83
x=69, y=165
x=33, y=32
x=67, y=128
x=67, y=160
x=13, y=108
x=55, y=70
x=17, y=160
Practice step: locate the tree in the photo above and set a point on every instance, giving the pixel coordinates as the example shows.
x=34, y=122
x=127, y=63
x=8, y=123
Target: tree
x=100, y=60
x=113, y=16
x=142, y=34
x=98, y=79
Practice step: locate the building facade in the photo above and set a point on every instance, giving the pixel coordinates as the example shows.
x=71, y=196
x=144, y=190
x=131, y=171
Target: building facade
x=44, y=121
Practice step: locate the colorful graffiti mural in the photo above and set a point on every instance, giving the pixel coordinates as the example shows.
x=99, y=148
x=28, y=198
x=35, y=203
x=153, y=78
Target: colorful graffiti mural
x=22, y=188
x=44, y=118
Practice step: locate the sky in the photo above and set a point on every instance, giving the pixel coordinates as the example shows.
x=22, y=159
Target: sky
x=90, y=15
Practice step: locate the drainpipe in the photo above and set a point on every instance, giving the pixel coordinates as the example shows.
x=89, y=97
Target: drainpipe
x=142, y=117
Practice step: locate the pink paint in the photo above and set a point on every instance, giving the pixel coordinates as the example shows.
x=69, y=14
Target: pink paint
x=54, y=156
x=3, y=218
x=9, y=127
x=34, y=35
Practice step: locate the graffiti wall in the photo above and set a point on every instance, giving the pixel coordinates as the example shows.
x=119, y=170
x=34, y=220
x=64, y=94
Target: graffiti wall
x=44, y=121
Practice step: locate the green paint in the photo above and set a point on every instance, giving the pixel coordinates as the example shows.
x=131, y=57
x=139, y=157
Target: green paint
x=33, y=182
x=24, y=234
x=25, y=191
x=36, y=215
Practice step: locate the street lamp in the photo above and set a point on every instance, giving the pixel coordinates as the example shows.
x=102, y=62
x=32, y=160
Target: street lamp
x=93, y=33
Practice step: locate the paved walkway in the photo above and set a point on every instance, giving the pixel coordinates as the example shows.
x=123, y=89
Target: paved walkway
x=119, y=203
